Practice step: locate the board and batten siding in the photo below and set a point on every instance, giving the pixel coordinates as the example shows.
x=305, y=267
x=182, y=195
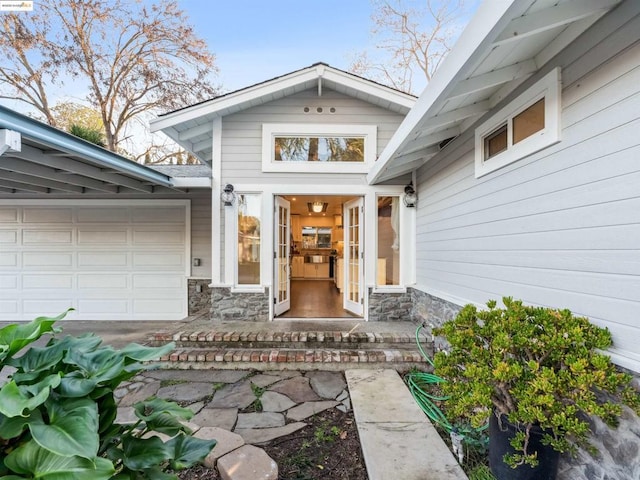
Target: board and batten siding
x=559, y=228
x=242, y=135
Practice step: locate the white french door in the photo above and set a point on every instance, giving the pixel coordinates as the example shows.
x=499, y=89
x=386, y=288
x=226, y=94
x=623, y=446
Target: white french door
x=353, y=222
x=282, y=282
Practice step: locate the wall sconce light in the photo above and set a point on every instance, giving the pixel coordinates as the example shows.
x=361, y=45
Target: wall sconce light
x=410, y=196
x=227, y=195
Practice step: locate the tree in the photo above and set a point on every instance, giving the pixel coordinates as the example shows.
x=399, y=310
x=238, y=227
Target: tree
x=67, y=114
x=133, y=59
x=411, y=42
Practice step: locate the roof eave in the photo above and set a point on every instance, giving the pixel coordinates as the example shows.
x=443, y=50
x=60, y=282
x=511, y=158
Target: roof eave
x=75, y=146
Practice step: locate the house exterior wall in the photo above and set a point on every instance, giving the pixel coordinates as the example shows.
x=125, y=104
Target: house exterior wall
x=559, y=228
x=242, y=134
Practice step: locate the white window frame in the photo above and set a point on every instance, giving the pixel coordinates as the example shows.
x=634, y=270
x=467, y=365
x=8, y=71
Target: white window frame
x=231, y=241
x=272, y=130
x=549, y=88
x=400, y=288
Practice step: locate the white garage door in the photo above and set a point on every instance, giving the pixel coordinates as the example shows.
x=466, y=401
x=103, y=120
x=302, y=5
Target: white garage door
x=108, y=260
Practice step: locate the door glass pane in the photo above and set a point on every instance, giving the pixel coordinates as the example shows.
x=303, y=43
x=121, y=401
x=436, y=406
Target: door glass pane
x=354, y=256
x=388, y=263
x=529, y=121
x=282, y=256
x=249, y=206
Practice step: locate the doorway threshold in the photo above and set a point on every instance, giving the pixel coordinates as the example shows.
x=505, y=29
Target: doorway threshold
x=319, y=319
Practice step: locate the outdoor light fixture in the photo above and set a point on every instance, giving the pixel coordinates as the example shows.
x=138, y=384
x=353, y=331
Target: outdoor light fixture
x=227, y=195
x=410, y=197
x=317, y=207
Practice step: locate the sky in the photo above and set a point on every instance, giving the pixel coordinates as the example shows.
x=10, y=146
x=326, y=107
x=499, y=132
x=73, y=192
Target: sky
x=255, y=40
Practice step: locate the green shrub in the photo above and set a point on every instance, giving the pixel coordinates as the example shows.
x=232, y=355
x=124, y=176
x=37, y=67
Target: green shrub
x=58, y=411
x=537, y=366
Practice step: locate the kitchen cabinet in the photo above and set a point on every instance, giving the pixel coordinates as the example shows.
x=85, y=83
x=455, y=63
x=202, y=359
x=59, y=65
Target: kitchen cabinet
x=337, y=234
x=316, y=270
x=297, y=266
x=296, y=228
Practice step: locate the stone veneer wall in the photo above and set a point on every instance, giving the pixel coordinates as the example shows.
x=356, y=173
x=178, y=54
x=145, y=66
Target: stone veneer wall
x=199, y=301
x=619, y=449
x=390, y=307
x=227, y=305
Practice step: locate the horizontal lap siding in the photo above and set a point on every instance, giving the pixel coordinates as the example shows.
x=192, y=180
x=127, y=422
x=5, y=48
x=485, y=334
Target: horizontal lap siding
x=201, y=233
x=242, y=135
x=561, y=227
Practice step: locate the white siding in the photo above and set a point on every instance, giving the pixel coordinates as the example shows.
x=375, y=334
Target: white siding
x=561, y=227
x=201, y=233
x=242, y=134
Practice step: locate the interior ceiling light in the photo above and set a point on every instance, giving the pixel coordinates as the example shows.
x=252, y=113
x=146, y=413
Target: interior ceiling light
x=317, y=207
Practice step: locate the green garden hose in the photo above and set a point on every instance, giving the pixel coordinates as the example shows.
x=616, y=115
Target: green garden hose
x=420, y=384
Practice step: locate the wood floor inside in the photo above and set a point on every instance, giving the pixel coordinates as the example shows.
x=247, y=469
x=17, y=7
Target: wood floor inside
x=315, y=299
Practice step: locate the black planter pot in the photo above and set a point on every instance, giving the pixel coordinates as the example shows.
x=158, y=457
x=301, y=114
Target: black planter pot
x=500, y=434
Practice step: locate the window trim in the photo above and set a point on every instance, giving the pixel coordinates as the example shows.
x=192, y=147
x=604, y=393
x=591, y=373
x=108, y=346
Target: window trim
x=549, y=88
x=236, y=286
x=271, y=130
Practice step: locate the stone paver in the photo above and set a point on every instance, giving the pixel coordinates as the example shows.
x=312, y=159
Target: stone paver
x=248, y=463
x=226, y=442
x=126, y=416
x=327, y=384
x=237, y=395
x=195, y=407
x=258, y=436
x=264, y=380
x=406, y=446
x=308, y=409
x=276, y=402
x=210, y=376
x=139, y=394
x=186, y=392
x=217, y=417
x=260, y=420
x=297, y=389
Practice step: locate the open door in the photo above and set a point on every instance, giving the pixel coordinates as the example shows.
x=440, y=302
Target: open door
x=282, y=281
x=353, y=220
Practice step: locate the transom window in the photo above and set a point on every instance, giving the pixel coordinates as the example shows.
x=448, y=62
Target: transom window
x=525, y=126
x=318, y=148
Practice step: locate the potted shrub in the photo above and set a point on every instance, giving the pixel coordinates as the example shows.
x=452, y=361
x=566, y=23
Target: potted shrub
x=537, y=373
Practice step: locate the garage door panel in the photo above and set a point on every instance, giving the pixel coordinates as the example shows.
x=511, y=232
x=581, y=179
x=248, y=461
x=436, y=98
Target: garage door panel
x=50, y=282
x=47, y=215
x=47, y=260
x=102, y=215
x=109, y=260
x=8, y=237
x=157, y=260
x=103, y=306
x=47, y=237
x=158, y=215
x=106, y=260
x=102, y=237
x=150, y=237
x=49, y=307
x=9, y=282
x=8, y=215
x=102, y=281
x=156, y=306
x=8, y=259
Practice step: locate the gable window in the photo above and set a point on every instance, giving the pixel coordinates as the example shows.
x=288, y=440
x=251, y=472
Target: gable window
x=318, y=148
x=527, y=125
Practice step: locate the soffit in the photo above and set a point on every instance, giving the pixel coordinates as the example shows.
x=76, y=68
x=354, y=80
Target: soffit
x=504, y=44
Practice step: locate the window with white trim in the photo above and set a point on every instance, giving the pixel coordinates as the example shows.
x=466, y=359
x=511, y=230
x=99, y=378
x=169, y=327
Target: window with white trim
x=248, y=250
x=527, y=125
x=318, y=148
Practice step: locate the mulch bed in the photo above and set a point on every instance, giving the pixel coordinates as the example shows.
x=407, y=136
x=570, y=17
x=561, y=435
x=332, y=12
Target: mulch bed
x=327, y=449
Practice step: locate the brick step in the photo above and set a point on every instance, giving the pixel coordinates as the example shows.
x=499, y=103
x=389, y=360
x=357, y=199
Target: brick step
x=293, y=340
x=292, y=358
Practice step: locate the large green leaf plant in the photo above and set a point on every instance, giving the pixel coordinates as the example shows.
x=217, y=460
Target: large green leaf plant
x=58, y=411
x=536, y=366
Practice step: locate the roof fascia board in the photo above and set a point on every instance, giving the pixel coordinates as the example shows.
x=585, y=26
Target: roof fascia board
x=73, y=145
x=214, y=106
x=488, y=22
x=292, y=80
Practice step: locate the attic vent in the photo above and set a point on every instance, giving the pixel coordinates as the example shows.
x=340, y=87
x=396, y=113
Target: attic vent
x=319, y=110
x=445, y=142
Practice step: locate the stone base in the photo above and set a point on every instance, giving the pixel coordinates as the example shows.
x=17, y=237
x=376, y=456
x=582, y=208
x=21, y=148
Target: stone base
x=433, y=311
x=390, y=307
x=199, y=300
x=227, y=305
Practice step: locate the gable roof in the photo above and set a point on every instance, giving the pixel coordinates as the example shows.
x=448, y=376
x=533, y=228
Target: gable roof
x=505, y=43
x=191, y=128
x=53, y=161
